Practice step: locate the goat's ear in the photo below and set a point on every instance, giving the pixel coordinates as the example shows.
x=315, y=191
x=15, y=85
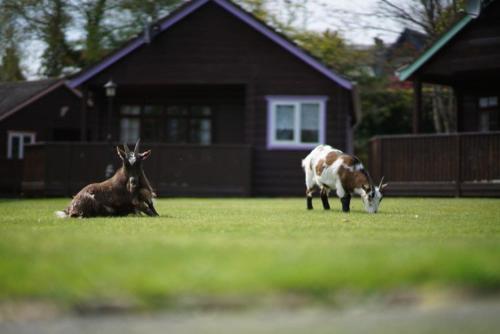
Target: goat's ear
x=145, y=155
x=121, y=153
x=383, y=186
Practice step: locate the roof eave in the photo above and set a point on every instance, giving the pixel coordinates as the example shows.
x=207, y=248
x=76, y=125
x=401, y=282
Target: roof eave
x=237, y=12
x=409, y=70
x=39, y=95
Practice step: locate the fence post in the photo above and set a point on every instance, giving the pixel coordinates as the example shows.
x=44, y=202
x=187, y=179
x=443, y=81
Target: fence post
x=458, y=169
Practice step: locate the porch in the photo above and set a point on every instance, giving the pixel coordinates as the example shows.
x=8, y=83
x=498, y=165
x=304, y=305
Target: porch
x=63, y=168
x=460, y=164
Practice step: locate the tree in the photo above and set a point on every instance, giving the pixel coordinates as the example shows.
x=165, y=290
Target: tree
x=10, y=56
x=56, y=55
x=429, y=16
x=333, y=50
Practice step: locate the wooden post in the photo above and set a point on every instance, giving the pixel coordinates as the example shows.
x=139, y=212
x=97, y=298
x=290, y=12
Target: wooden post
x=417, y=105
x=83, y=116
x=250, y=113
x=458, y=167
x=459, y=112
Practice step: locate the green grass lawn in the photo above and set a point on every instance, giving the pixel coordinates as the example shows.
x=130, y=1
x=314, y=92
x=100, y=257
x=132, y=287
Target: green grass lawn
x=247, y=248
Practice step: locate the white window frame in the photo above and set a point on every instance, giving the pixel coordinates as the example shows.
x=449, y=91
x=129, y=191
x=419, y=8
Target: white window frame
x=296, y=101
x=19, y=134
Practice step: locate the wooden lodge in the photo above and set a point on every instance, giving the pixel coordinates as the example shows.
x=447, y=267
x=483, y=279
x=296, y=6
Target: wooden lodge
x=229, y=106
x=466, y=58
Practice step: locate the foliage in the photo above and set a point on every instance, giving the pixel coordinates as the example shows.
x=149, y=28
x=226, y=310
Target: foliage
x=77, y=33
x=333, y=50
x=246, y=248
x=10, y=55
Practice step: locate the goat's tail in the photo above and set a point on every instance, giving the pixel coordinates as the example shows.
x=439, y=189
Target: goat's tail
x=306, y=162
x=62, y=214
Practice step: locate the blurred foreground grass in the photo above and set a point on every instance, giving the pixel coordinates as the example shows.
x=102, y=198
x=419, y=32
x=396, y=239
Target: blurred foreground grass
x=246, y=248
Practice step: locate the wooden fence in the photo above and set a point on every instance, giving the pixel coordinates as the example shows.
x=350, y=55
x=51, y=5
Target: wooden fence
x=62, y=169
x=11, y=174
x=465, y=164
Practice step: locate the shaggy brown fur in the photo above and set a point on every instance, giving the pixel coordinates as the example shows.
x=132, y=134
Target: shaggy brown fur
x=126, y=192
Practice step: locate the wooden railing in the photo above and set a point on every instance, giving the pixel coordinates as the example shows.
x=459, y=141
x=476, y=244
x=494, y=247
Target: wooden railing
x=456, y=164
x=11, y=173
x=62, y=169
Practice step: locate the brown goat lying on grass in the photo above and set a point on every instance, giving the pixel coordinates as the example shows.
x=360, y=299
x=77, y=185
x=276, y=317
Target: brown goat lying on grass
x=126, y=192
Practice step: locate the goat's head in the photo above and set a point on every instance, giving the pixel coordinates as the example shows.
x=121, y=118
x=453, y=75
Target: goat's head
x=132, y=164
x=373, y=196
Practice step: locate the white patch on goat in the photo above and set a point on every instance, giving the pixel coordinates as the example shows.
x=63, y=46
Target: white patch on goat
x=360, y=191
x=340, y=189
x=61, y=214
x=109, y=209
x=89, y=195
x=132, y=159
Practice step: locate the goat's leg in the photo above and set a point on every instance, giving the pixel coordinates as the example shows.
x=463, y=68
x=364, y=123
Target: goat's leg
x=324, y=198
x=309, y=198
x=151, y=207
x=346, y=202
x=144, y=208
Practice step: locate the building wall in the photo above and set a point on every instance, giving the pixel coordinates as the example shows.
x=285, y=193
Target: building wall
x=210, y=46
x=44, y=118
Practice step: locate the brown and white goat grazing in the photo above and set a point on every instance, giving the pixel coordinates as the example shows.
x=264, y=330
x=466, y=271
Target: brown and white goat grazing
x=332, y=169
x=126, y=192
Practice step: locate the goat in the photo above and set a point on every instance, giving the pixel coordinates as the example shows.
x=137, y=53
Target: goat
x=127, y=191
x=332, y=169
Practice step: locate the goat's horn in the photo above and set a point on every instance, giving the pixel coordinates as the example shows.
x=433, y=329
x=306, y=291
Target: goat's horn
x=136, y=149
x=381, y=182
x=125, y=147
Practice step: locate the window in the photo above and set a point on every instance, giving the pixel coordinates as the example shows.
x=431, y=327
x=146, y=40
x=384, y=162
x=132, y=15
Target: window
x=189, y=124
x=295, y=122
x=16, y=142
x=488, y=102
x=130, y=123
x=488, y=113
x=174, y=123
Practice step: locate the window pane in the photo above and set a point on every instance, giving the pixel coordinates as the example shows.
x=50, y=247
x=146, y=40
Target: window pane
x=177, y=111
x=27, y=139
x=201, y=131
x=285, y=122
x=129, y=130
x=176, y=130
x=130, y=110
x=16, y=147
x=153, y=110
x=484, y=121
x=309, y=122
x=201, y=111
x=493, y=101
x=483, y=102
x=149, y=131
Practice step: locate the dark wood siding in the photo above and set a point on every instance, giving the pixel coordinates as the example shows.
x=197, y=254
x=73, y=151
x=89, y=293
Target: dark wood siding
x=210, y=46
x=44, y=118
x=62, y=169
x=473, y=54
x=470, y=63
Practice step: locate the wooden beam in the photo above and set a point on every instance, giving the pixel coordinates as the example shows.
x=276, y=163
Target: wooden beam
x=417, y=106
x=83, y=115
